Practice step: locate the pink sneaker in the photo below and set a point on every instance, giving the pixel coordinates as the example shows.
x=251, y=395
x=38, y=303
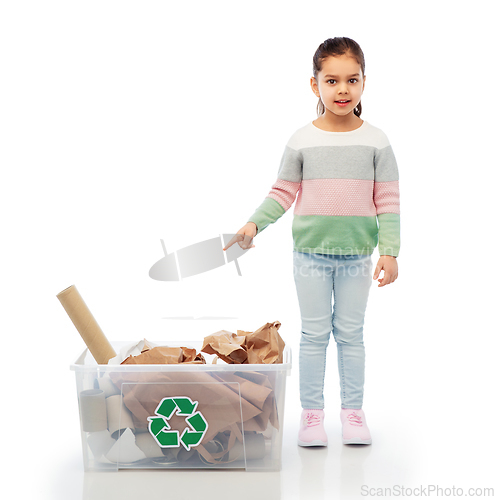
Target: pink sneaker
x=311, y=431
x=354, y=428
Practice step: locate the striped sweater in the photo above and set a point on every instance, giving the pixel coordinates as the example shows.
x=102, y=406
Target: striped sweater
x=347, y=188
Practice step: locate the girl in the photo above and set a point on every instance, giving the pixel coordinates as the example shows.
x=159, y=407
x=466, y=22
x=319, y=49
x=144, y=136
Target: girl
x=344, y=173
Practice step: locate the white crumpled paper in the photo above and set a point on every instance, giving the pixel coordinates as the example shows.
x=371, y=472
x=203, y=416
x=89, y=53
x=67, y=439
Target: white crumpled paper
x=134, y=349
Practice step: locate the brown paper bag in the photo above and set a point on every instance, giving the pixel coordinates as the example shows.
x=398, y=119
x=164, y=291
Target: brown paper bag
x=264, y=346
x=227, y=346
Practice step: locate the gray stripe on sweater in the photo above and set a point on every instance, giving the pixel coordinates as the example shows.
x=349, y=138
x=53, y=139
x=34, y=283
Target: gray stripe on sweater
x=338, y=162
x=291, y=165
x=386, y=165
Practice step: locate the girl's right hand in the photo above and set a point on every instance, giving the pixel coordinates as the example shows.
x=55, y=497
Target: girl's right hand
x=244, y=236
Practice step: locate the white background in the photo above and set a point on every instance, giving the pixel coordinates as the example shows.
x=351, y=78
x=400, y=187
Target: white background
x=123, y=123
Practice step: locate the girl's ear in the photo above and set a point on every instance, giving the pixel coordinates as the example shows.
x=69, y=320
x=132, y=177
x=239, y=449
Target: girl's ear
x=364, y=81
x=314, y=86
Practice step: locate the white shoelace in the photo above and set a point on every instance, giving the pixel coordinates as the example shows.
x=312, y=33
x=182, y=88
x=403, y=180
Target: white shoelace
x=354, y=419
x=312, y=419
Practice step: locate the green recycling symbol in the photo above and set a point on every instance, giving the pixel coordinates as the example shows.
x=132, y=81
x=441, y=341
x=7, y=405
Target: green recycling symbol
x=167, y=437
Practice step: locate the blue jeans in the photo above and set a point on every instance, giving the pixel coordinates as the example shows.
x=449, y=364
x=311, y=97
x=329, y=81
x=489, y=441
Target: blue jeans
x=348, y=278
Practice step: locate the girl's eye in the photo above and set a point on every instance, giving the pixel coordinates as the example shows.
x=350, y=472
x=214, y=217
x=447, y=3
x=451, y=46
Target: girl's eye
x=332, y=81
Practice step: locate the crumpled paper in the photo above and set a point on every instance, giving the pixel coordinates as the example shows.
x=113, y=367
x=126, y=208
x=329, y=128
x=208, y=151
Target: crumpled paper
x=133, y=349
x=163, y=355
x=264, y=346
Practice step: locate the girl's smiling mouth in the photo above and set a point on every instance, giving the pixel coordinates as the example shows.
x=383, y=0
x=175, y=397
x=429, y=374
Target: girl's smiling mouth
x=342, y=103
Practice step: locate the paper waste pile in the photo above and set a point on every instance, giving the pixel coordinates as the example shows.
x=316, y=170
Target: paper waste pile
x=177, y=415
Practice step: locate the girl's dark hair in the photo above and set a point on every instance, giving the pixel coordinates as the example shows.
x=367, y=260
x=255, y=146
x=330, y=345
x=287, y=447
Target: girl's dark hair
x=337, y=46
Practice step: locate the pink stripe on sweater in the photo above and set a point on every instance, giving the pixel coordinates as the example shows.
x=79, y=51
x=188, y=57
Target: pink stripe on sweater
x=336, y=197
x=284, y=192
x=386, y=196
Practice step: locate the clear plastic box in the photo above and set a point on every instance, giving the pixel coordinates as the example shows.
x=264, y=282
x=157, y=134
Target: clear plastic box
x=181, y=416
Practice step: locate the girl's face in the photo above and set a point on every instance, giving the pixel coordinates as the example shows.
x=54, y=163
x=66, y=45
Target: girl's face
x=340, y=79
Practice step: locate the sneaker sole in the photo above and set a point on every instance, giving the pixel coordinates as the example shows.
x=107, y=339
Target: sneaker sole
x=315, y=442
x=356, y=441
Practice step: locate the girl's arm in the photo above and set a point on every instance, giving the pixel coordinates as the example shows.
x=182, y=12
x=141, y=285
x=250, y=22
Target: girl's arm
x=279, y=199
x=386, y=200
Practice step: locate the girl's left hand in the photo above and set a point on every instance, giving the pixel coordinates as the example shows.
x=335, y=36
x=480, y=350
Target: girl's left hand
x=388, y=264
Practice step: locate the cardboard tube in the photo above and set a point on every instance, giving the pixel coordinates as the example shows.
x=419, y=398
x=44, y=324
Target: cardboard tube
x=212, y=447
x=93, y=410
x=86, y=325
x=119, y=417
x=106, y=385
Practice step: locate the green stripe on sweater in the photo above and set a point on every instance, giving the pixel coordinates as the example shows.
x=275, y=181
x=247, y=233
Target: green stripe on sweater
x=267, y=213
x=335, y=235
x=389, y=234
